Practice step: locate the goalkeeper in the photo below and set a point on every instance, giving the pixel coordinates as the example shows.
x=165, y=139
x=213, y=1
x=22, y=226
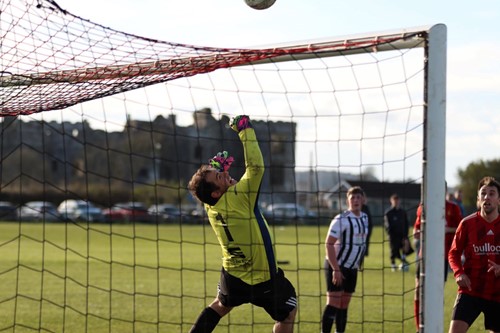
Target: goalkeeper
x=249, y=271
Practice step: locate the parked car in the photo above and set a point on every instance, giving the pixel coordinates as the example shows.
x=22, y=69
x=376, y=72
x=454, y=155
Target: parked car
x=127, y=212
x=170, y=213
x=195, y=214
x=289, y=213
x=80, y=210
x=39, y=211
x=162, y=213
x=8, y=211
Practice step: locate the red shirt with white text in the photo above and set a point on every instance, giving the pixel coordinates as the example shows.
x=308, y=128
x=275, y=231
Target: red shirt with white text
x=479, y=241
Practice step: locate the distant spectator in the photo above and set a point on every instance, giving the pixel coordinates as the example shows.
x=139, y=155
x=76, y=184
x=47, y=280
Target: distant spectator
x=457, y=198
x=396, y=225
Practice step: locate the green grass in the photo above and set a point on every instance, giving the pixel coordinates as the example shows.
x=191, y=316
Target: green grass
x=124, y=278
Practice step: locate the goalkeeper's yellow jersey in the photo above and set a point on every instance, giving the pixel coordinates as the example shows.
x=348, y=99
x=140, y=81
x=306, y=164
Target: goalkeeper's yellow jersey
x=243, y=233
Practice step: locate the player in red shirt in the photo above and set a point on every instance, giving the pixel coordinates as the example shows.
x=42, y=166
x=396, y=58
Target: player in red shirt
x=452, y=220
x=478, y=278
x=453, y=216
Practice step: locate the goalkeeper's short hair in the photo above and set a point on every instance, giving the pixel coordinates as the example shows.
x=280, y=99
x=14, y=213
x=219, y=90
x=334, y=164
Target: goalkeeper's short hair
x=200, y=188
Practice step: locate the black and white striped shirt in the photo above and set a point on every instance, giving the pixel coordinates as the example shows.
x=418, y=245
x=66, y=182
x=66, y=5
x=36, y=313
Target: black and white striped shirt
x=351, y=232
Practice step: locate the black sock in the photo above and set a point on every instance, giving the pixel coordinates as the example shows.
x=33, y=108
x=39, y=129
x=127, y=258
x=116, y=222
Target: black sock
x=341, y=321
x=328, y=318
x=206, y=322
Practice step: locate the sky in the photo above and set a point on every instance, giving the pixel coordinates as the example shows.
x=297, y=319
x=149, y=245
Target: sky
x=473, y=68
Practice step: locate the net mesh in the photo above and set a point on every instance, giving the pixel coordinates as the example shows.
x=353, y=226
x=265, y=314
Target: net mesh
x=328, y=115
x=52, y=59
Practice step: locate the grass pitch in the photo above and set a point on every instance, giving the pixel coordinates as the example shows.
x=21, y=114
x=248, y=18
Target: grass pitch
x=144, y=278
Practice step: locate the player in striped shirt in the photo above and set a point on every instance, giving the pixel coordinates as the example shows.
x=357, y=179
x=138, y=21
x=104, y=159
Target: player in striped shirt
x=478, y=278
x=345, y=248
x=249, y=271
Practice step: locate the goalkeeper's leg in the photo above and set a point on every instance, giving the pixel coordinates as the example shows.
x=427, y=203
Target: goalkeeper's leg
x=210, y=317
x=285, y=326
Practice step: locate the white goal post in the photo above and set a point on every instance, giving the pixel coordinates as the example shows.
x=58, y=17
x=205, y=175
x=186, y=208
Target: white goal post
x=434, y=182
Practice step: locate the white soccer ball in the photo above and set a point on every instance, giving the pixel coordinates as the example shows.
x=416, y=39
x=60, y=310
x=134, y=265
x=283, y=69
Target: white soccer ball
x=260, y=4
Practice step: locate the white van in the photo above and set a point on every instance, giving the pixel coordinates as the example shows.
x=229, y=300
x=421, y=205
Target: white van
x=80, y=210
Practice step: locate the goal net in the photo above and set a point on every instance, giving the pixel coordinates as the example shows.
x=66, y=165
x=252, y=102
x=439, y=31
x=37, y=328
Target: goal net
x=112, y=121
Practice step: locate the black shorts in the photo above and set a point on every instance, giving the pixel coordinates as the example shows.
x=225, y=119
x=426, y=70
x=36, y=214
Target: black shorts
x=350, y=279
x=467, y=308
x=277, y=296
